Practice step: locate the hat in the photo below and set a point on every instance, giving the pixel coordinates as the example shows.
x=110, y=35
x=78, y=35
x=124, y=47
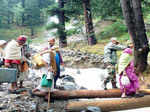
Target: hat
x=22, y=38
x=129, y=42
x=2, y=42
x=114, y=38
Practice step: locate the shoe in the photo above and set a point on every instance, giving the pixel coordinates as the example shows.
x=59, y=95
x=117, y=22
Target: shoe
x=115, y=87
x=139, y=95
x=123, y=95
x=105, y=88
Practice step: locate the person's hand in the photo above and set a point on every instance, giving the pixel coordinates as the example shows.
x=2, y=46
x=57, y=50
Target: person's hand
x=51, y=70
x=62, y=64
x=117, y=43
x=7, y=64
x=23, y=59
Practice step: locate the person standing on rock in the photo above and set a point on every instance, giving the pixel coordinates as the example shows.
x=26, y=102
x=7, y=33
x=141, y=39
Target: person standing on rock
x=58, y=57
x=110, y=60
x=49, y=70
x=13, y=57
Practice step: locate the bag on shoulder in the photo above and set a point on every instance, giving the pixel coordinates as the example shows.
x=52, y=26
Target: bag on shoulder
x=38, y=61
x=124, y=79
x=46, y=82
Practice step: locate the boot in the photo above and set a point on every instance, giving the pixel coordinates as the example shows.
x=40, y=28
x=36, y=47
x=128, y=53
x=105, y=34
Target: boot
x=113, y=84
x=105, y=84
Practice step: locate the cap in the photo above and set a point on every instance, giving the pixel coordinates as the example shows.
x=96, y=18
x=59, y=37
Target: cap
x=51, y=38
x=22, y=38
x=114, y=38
x=2, y=42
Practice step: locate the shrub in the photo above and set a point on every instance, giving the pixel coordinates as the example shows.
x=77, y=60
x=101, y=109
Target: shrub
x=115, y=29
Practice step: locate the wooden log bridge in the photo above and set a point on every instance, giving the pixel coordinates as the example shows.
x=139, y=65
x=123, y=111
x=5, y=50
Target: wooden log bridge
x=75, y=94
x=110, y=105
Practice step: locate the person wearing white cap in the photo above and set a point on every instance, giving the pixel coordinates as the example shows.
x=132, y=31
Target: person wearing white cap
x=2, y=45
x=110, y=60
x=58, y=57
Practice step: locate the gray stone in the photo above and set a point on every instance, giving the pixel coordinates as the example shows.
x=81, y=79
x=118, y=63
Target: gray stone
x=92, y=109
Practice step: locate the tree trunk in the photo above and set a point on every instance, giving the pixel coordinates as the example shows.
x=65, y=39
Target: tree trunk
x=88, y=23
x=23, y=17
x=141, y=49
x=133, y=16
x=32, y=30
x=61, y=29
x=110, y=105
x=8, y=18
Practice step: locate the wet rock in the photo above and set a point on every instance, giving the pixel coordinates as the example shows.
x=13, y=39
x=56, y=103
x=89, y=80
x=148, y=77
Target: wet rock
x=67, y=83
x=92, y=109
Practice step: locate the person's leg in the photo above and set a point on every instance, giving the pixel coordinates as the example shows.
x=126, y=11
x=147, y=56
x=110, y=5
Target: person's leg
x=109, y=70
x=113, y=82
x=21, y=84
x=56, y=77
x=15, y=66
x=123, y=93
x=105, y=82
x=113, y=76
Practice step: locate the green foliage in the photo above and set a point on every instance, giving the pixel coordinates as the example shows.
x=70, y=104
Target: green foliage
x=116, y=29
x=18, y=10
x=106, y=8
x=53, y=9
x=72, y=31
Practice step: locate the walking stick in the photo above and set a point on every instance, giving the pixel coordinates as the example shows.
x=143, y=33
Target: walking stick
x=48, y=99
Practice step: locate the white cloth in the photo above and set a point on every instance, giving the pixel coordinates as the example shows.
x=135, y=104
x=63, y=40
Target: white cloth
x=44, y=70
x=125, y=80
x=13, y=51
x=2, y=42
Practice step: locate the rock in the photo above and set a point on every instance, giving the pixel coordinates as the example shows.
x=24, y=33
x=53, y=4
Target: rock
x=92, y=109
x=50, y=110
x=78, y=71
x=78, y=57
x=68, y=78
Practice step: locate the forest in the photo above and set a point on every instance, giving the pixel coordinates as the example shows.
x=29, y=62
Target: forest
x=82, y=29
x=30, y=17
